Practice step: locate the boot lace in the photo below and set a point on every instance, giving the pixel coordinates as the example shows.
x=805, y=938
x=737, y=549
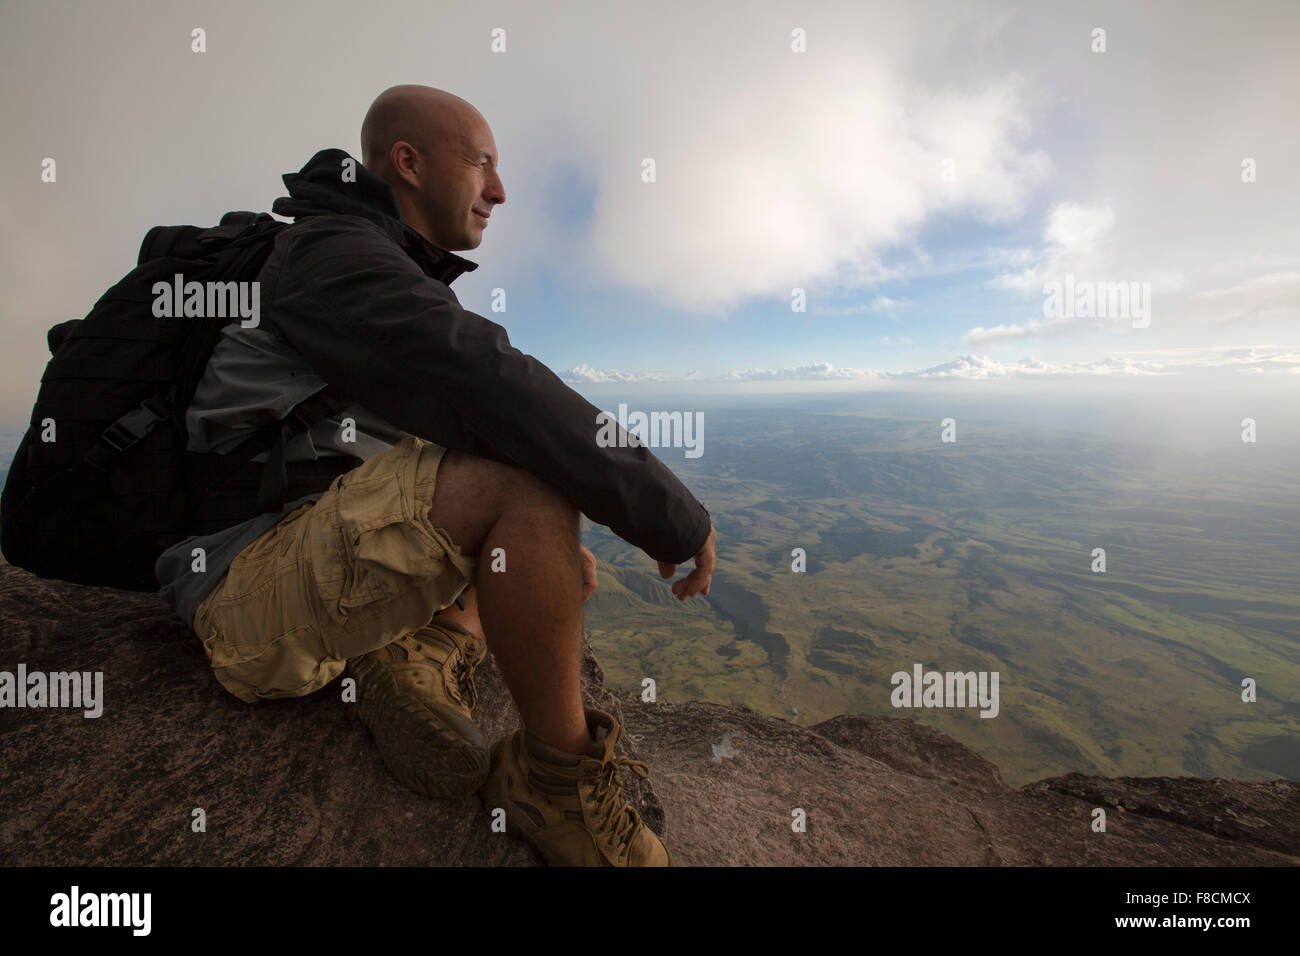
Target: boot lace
x=608, y=800
x=463, y=689
x=461, y=686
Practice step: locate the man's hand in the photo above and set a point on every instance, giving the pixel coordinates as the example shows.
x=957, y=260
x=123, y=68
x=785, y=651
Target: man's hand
x=588, y=573
x=698, y=581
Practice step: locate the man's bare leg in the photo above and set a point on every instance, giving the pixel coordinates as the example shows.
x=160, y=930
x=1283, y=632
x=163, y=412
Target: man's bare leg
x=531, y=613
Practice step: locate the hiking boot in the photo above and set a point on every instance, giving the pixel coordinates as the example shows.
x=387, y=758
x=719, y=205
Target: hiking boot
x=417, y=696
x=571, y=807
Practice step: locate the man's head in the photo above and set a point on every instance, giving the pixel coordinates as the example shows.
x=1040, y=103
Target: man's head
x=437, y=152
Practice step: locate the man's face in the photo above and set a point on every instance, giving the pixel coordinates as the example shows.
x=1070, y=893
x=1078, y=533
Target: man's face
x=457, y=199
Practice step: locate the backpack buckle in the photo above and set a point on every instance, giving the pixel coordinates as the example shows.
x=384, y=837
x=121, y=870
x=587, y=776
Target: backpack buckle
x=133, y=426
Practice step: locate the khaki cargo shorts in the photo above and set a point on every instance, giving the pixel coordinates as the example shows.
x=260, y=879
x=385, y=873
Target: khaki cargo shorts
x=335, y=579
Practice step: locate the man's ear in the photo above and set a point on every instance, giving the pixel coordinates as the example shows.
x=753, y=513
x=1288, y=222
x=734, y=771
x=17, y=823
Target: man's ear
x=401, y=158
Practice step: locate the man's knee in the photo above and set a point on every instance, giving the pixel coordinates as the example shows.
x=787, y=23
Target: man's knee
x=472, y=493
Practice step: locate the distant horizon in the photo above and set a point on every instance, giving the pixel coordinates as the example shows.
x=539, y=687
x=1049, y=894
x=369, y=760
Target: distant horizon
x=1142, y=411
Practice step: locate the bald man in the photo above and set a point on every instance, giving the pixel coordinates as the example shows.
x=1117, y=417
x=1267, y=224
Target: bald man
x=448, y=444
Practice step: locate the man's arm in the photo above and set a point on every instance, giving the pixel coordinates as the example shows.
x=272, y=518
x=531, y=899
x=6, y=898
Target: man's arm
x=387, y=336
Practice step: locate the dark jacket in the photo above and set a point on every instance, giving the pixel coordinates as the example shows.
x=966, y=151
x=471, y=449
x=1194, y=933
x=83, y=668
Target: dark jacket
x=364, y=299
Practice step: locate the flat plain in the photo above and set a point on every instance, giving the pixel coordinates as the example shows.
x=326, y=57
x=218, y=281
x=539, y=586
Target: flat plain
x=978, y=555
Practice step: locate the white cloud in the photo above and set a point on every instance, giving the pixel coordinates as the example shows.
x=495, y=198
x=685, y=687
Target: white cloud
x=1070, y=236
x=982, y=336
x=1273, y=293
x=586, y=375
x=1137, y=363
x=784, y=173
x=1073, y=227
x=977, y=367
x=821, y=371
x=1079, y=250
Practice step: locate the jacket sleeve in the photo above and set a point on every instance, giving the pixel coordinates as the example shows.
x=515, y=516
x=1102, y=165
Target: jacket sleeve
x=391, y=338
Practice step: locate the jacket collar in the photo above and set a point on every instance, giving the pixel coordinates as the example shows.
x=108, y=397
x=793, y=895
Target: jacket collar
x=318, y=189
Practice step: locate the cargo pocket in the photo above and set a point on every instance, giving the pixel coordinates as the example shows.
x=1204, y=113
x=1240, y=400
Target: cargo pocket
x=384, y=549
x=226, y=651
x=289, y=666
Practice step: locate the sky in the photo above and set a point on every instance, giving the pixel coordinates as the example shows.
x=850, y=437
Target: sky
x=845, y=195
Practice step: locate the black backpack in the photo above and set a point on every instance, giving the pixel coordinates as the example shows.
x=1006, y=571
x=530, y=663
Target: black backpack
x=116, y=486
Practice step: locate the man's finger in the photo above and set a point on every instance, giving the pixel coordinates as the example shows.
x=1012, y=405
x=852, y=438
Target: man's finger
x=690, y=585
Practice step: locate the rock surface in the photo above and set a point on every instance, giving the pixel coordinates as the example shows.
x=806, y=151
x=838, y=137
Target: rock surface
x=297, y=782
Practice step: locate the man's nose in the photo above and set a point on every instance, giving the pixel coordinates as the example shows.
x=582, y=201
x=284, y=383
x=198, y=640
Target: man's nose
x=496, y=190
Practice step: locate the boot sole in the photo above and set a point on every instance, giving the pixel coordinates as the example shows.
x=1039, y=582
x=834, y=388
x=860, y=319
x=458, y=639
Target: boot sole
x=436, y=753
